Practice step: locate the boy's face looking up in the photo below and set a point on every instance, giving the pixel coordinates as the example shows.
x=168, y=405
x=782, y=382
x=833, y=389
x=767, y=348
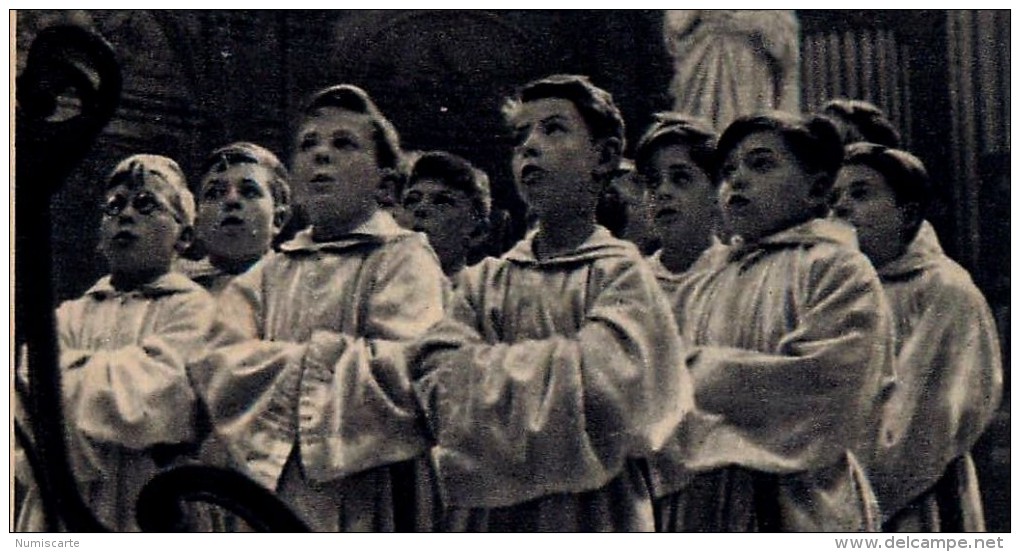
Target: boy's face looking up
x=764, y=188
x=446, y=215
x=683, y=195
x=862, y=197
x=336, y=172
x=139, y=235
x=237, y=219
x=554, y=157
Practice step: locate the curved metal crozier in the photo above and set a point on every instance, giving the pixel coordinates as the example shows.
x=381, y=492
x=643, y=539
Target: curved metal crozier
x=23, y=442
x=71, y=61
x=63, y=60
x=162, y=503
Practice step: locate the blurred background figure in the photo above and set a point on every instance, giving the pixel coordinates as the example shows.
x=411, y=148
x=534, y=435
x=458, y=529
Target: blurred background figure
x=861, y=121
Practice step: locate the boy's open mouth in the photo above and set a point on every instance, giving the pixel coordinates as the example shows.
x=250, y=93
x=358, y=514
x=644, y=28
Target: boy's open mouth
x=666, y=212
x=737, y=202
x=232, y=221
x=531, y=173
x=124, y=238
x=322, y=178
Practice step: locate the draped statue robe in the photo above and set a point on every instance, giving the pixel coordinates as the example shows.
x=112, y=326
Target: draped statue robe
x=729, y=63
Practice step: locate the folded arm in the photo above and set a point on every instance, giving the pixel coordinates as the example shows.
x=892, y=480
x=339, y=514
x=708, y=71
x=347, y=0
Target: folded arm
x=951, y=384
x=138, y=395
x=515, y=421
x=803, y=405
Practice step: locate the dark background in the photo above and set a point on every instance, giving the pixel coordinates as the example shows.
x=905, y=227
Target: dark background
x=195, y=80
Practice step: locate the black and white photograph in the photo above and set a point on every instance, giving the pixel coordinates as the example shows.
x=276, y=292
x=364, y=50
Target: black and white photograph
x=511, y=271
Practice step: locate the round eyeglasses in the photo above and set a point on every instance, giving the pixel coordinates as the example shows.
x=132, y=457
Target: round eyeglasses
x=144, y=203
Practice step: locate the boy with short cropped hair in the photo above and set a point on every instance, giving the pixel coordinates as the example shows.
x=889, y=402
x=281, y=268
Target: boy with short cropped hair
x=676, y=161
x=948, y=365
x=792, y=343
x=448, y=200
x=243, y=203
x=556, y=370
x=307, y=385
x=125, y=345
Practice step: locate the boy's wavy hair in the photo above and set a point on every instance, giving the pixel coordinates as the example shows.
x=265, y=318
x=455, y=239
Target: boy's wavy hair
x=864, y=122
x=348, y=97
x=813, y=140
x=904, y=173
x=248, y=152
x=457, y=173
x=670, y=128
x=594, y=104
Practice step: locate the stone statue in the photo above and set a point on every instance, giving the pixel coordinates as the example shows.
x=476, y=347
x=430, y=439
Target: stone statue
x=729, y=63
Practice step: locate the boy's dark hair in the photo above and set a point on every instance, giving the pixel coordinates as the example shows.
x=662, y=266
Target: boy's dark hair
x=247, y=152
x=348, y=97
x=865, y=122
x=594, y=104
x=672, y=128
x=904, y=174
x=812, y=139
x=457, y=173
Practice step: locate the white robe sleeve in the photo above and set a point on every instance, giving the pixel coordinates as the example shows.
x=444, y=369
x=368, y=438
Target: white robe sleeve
x=358, y=409
x=516, y=421
x=350, y=395
x=139, y=395
x=951, y=384
x=247, y=383
x=802, y=406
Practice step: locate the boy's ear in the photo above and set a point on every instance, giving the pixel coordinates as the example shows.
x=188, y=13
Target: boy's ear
x=281, y=215
x=386, y=194
x=609, y=152
x=476, y=238
x=818, y=193
x=184, y=239
x=911, y=214
x=820, y=185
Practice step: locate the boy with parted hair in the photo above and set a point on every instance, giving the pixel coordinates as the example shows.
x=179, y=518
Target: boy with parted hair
x=556, y=371
x=306, y=384
x=243, y=203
